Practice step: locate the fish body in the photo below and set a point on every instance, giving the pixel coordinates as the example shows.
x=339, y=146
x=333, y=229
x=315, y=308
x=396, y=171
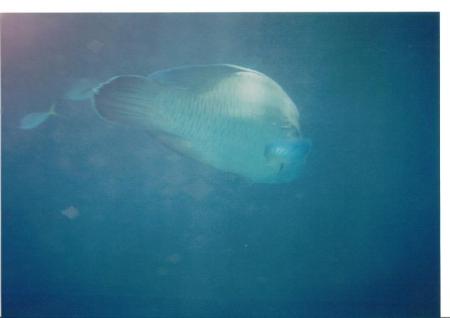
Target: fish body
x=222, y=115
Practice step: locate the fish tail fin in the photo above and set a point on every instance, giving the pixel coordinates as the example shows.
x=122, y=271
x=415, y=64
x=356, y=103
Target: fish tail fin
x=128, y=100
x=52, y=111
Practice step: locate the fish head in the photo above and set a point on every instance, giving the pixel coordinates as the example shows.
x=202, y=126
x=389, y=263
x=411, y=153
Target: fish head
x=286, y=157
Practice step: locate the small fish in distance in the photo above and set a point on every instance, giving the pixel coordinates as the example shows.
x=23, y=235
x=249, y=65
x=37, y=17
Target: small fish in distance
x=33, y=120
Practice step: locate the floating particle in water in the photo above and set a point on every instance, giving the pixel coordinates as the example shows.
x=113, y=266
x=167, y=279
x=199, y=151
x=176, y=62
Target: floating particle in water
x=71, y=212
x=95, y=46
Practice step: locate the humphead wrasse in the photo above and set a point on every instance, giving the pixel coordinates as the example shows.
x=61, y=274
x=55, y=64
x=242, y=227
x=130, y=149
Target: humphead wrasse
x=235, y=119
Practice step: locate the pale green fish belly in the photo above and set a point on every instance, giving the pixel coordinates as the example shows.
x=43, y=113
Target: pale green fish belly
x=226, y=122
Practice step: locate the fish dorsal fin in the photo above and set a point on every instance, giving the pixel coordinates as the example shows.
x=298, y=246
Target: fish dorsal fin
x=197, y=77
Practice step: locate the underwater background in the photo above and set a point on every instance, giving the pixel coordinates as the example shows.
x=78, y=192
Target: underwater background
x=100, y=220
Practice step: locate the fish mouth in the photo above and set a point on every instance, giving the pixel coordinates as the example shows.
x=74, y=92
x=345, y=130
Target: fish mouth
x=286, y=159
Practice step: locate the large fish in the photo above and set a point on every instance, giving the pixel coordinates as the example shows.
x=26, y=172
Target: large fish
x=233, y=118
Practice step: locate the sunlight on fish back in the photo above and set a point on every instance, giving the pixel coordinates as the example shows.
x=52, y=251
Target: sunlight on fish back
x=222, y=115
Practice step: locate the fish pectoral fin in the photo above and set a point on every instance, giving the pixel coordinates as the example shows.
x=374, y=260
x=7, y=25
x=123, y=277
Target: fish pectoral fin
x=178, y=144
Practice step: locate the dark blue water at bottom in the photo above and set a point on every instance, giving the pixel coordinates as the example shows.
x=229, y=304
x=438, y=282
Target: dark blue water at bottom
x=100, y=220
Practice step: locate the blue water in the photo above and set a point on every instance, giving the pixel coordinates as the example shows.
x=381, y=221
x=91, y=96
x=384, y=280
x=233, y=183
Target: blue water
x=156, y=234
